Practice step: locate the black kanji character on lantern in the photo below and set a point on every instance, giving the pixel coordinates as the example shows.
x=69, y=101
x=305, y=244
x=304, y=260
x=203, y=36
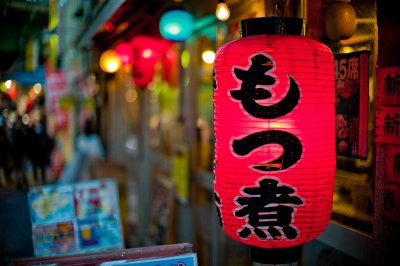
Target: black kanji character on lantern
x=214, y=80
x=292, y=148
x=248, y=93
x=268, y=208
x=218, y=204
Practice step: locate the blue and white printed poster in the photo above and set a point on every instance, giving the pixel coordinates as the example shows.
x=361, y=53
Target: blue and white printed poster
x=51, y=203
x=189, y=259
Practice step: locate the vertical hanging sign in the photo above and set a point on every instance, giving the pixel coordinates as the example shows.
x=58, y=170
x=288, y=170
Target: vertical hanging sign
x=388, y=106
x=391, y=201
x=392, y=163
x=56, y=87
x=388, y=92
x=387, y=137
x=388, y=124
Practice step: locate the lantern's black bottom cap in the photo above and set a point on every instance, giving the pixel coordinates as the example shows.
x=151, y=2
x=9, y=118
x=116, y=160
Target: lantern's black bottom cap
x=275, y=255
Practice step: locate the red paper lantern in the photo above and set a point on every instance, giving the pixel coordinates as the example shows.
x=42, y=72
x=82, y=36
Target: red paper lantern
x=274, y=122
x=124, y=50
x=146, y=51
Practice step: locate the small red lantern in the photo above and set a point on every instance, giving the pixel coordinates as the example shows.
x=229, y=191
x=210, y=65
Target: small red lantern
x=274, y=123
x=124, y=50
x=146, y=51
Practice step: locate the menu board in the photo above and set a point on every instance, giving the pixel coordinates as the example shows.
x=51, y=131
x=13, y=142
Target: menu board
x=69, y=219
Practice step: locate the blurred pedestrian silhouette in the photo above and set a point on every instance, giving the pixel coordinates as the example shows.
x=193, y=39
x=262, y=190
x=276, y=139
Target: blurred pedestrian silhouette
x=6, y=161
x=41, y=145
x=88, y=149
x=19, y=134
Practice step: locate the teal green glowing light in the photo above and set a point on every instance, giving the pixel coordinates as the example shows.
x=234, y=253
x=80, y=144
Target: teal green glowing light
x=176, y=25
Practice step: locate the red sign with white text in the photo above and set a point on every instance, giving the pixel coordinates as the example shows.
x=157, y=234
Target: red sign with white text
x=56, y=86
x=352, y=77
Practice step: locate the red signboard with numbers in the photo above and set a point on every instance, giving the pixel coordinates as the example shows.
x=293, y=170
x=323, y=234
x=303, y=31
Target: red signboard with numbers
x=352, y=75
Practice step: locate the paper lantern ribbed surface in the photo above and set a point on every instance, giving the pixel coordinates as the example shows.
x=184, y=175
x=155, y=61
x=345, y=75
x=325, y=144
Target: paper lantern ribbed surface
x=275, y=149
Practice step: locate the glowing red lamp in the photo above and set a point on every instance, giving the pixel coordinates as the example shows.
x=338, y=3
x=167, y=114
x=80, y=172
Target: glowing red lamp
x=146, y=52
x=124, y=50
x=274, y=122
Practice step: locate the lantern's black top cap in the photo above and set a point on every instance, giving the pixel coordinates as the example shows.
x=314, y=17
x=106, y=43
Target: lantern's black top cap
x=271, y=25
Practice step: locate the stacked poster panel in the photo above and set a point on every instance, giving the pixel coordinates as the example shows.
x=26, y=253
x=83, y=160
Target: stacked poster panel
x=75, y=218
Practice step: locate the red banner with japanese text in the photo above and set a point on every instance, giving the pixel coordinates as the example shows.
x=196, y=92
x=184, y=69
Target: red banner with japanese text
x=388, y=124
x=391, y=201
x=56, y=87
x=388, y=140
x=388, y=92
